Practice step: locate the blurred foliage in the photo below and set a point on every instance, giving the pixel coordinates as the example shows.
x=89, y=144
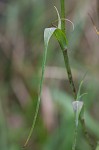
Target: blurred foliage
x=22, y=23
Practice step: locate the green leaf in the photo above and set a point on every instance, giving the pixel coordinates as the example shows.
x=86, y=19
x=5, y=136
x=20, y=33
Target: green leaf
x=82, y=95
x=60, y=36
x=79, y=90
x=58, y=33
x=47, y=35
x=77, y=107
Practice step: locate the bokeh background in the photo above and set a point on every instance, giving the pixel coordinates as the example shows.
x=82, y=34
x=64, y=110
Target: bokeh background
x=22, y=24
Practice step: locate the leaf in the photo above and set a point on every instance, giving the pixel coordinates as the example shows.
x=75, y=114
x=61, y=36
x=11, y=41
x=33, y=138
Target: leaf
x=82, y=95
x=58, y=33
x=77, y=107
x=47, y=35
x=79, y=90
x=60, y=36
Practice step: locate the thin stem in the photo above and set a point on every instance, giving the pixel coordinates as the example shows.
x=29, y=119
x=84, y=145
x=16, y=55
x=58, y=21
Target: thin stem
x=63, y=15
x=87, y=136
x=75, y=139
x=67, y=65
x=65, y=54
x=66, y=59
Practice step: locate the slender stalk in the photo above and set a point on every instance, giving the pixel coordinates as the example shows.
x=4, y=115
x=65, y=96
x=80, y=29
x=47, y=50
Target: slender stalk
x=63, y=25
x=67, y=65
x=75, y=139
x=66, y=59
x=65, y=54
x=87, y=136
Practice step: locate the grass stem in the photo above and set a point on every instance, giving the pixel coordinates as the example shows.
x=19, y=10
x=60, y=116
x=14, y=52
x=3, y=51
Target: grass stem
x=65, y=53
x=67, y=65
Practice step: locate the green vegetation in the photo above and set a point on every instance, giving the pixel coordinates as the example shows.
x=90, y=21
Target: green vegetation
x=63, y=113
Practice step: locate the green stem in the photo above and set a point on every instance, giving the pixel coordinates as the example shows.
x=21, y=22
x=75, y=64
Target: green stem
x=67, y=65
x=63, y=27
x=75, y=139
x=65, y=54
x=87, y=136
x=66, y=60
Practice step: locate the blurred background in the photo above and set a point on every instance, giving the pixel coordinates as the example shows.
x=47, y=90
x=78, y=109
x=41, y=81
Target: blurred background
x=22, y=24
